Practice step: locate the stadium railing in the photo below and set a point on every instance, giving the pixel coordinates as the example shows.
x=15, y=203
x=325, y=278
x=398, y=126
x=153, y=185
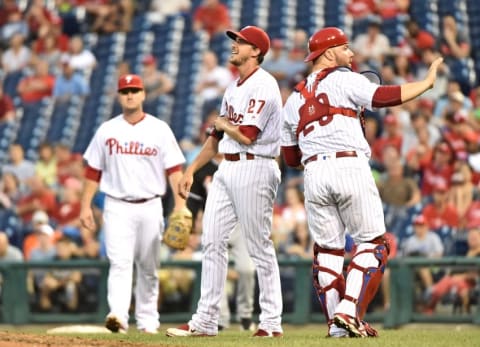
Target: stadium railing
x=15, y=305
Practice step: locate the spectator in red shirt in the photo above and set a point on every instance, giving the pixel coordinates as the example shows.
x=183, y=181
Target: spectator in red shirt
x=460, y=282
x=6, y=8
x=67, y=215
x=416, y=41
x=420, y=155
x=461, y=195
x=392, y=8
x=38, y=17
x=392, y=136
x=440, y=212
x=68, y=211
x=360, y=9
x=456, y=133
x=454, y=44
x=211, y=16
x=439, y=170
x=66, y=161
x=7, y=110
x=472, y=216
x=40, y=198
x=54, y=29
x=38, y=86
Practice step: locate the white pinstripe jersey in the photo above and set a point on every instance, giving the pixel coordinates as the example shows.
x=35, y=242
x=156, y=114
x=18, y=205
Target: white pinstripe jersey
x=133, y=158
x=256, y=101
x=343, y=88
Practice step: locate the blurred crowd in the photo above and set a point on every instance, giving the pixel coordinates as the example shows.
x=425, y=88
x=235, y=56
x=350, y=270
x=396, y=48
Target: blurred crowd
x=425, y=154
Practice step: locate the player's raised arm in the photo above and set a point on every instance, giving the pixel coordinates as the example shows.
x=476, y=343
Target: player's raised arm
x=411, y=90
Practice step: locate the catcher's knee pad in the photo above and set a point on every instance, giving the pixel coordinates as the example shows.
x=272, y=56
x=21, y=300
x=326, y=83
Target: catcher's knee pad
x=328, y=280
x=370, y=259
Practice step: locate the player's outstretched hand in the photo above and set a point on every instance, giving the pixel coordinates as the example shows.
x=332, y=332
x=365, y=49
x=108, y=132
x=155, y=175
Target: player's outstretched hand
x=185, y=184
x=87, y=220
x=432, y=71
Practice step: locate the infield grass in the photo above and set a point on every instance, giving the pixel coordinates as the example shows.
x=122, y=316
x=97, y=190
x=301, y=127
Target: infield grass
x=413, y=335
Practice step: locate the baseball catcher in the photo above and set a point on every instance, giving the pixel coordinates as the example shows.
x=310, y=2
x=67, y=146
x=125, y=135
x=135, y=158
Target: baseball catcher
x=178, y=229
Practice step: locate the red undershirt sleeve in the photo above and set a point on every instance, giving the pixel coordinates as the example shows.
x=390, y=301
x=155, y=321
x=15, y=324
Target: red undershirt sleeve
x=93, y=174
x=174, y=169
x=250, y=131
x=387, y=96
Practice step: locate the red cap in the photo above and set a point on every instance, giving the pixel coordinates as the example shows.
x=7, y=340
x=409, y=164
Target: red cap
x=460, y=116
x=440, y=186
x=56, y=20
x=390, y=119
x=425, y=40
x=420, y=220
x=443, y=147
x=149, y=59
x=253, y=35
x=277, y=43
x=426, y=103
x=130, y=81
x=471, y=135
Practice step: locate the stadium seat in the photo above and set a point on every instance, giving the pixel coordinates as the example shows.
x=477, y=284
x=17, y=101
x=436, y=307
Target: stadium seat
x=394, y=28
x=10, y=82
x=447, y=235
x=11, y=225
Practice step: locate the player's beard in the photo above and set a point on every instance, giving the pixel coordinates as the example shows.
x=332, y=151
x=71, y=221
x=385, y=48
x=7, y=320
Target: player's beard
x=237, y=60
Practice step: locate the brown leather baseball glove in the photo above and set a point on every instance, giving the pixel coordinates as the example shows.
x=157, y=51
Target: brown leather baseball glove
x=178, y=229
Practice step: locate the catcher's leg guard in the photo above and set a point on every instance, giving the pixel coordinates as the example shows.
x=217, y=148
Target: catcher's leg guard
x=365, y=273
x=328, y=278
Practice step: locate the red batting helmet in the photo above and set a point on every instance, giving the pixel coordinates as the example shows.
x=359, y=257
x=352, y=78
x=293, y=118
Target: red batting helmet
x=324, y=39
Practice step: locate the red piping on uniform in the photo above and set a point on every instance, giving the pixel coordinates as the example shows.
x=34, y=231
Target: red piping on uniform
x=240, y=82
x=138, y=121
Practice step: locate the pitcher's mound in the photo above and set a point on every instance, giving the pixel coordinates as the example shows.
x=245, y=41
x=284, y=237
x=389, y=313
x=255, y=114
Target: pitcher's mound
x=76, y=329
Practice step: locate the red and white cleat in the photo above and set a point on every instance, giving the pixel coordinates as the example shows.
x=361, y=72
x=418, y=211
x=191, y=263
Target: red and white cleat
x=371, y=332
x=184, y=330
x=354, y=327
x=264, y=333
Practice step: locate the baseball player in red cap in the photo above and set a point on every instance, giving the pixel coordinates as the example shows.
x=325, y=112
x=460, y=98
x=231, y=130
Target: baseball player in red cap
x=323, y=134
x=243, y=188
x=130, y=158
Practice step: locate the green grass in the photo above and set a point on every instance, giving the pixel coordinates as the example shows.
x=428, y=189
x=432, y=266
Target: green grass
x=421, y=335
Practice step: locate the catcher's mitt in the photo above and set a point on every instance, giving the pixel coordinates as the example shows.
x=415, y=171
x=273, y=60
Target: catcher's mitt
x=178, y=229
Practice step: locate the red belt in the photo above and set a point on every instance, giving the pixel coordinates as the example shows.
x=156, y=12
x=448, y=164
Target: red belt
x=341, y=154
x=236, y=156
x=139, y=201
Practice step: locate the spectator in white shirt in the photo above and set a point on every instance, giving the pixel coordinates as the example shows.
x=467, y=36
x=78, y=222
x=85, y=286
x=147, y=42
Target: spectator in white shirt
x=371, y=47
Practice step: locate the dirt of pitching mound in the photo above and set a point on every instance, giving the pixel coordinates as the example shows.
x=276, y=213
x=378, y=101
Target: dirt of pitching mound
x=19, y=339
